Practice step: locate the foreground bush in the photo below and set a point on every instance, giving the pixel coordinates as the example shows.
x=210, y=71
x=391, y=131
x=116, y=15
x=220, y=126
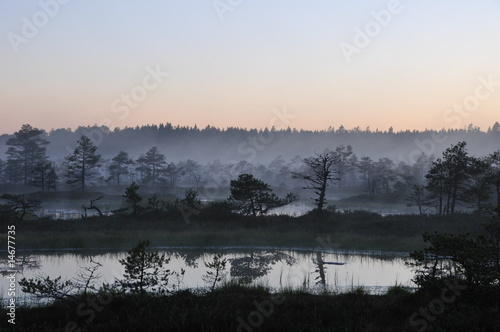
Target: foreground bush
x=237, y=308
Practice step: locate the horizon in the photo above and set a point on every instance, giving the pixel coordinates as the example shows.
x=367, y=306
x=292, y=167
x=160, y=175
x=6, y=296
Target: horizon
x=368, y=64
x=330, y=129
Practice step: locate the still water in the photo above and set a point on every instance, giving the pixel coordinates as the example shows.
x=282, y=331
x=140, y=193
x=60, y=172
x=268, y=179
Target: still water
x=274, y=268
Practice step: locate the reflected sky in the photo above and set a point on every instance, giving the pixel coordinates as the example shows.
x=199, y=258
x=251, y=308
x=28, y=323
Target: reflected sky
x=278, y=269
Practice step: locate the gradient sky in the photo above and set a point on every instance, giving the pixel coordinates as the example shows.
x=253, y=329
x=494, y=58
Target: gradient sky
x=261, y=56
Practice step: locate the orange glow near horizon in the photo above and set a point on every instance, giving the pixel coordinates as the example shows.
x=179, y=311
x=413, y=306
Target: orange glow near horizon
x=234, y=73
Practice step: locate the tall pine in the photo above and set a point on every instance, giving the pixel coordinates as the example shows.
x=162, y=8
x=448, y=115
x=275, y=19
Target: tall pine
x=82, y=163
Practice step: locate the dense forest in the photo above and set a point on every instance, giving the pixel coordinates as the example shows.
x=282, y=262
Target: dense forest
x=262, y=146
x=433, y=171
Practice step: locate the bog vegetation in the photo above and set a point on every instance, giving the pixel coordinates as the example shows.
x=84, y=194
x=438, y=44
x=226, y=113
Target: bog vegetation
x=454, y=235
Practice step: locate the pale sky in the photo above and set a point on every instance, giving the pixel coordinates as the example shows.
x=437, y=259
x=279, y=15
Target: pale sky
x=406, y=64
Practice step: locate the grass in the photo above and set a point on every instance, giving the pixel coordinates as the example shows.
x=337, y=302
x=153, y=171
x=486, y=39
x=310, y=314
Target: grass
x=358, y=230
x=234, y=307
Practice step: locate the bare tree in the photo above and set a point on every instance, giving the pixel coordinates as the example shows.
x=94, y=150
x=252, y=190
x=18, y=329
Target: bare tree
x=321, y=173
x=92, y=207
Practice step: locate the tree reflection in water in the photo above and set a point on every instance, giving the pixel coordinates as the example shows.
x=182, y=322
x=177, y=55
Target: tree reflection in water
x=321, y=278
x=189, y=257
x=257, y=264
x=22, y=263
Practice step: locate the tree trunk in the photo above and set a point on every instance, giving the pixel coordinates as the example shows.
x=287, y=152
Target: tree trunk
x=322, y=194
x=497, y=187
x=454, y=199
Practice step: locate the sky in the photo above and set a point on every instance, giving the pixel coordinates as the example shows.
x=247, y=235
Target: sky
x=408, y=64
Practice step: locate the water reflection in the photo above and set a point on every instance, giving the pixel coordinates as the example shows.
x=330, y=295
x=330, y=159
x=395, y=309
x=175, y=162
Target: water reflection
x=277, y=269
x=257, y=264
x=190, y=258
x=21, y=263
x=321, y=278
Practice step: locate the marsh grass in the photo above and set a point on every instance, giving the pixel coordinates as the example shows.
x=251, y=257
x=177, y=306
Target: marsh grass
x=355, y=230
x=220, y=310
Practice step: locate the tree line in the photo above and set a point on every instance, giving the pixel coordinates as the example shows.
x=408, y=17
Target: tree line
x=263, y=145
x=27, y=163
x=453, y=180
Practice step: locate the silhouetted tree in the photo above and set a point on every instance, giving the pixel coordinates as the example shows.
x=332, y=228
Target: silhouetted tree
x=254, y=197
x=191, y=171
x=92, y=207
x=19, y=206
x=365, y=167
x=448, y=177
x=320, y=174
x=82, y=163
x=132, y=197
x=383, y=176
x=26, y=150
x=44, y=176
x=421, y=167
x=493, y=160
x=343, y=165
x=154, y=164
x=119, y=167
x=216, y=271
x=475, y=259
x=417, y=197
x=173, y=172
x=52, y=179
x=145, y=270
x=478, y=187
x=2, y=171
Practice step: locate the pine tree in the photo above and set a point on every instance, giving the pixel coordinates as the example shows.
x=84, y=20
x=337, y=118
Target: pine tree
x=26, y=150
x=82, y=163
x=154, y=164
x=254, y=197
x=44, y=176
x=132, y=197
x=145, y=270
x=119, y=167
